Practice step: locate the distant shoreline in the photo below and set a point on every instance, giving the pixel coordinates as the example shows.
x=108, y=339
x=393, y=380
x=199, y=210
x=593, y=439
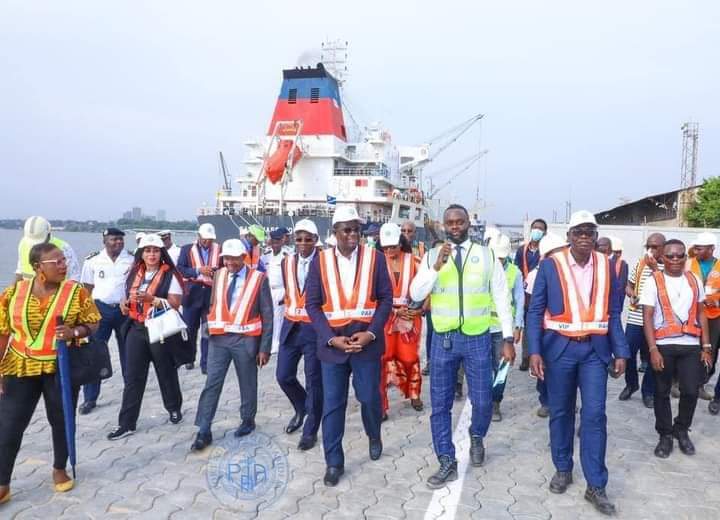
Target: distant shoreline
x=95, y=226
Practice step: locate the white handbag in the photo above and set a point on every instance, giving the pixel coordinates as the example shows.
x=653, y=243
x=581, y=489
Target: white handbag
x=164, y=323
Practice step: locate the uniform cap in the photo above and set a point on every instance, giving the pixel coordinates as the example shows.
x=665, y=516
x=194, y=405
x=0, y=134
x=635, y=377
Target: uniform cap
x=346, y=214
x=616, y=244
x=283, y=230
x=277, y=234
x=306, y=225
x=207, y=231
x=582, y=217
x=233, y=247
x=705, y=239
x=501, y=246
x=36, y=229
x=549, y=242
x=258, y=232
x=151, y=240
x=389, y=234
x=372, y=229
x=164, y=232
x=113, y=232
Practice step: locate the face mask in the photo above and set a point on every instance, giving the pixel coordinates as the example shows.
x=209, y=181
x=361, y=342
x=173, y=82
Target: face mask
x=536, y=235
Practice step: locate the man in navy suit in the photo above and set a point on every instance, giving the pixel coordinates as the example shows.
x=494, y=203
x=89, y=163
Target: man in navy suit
x=298, y=339
x=198, y=262
x=574, y=347
x=349, y=298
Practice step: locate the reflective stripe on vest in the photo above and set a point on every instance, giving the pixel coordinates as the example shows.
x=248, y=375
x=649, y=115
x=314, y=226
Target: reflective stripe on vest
x=197, y=262
x=672, y=327
x=294, y=298
x=468, y=307
x=401, y=287
x=360, y=306
x=712, y=285
x=577, y=319
x=253, y=260
x=24, y=252
x=511, y=273
x=223, y=320
x=135, y=309
x=42, y=346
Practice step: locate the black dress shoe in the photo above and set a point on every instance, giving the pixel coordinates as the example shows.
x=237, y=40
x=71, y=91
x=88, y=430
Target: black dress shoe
x=295, y=423
x=201, y=442
x=307, y=443
x=203, y=370
x=446, y=473
x=119, y=433
x=417, y=405
x=189, y=366
x=176, y=416
x=245, y=428
x=649, y=401
x=525, y=365
x=686, y=445
x=664, y=446
x=87, y=407
x=384, y=417
x=332, y=475
x=426, y=370
x=477, y=451
x=598, y=498
x=627, y=393
x=560, y=481
x=375, y=448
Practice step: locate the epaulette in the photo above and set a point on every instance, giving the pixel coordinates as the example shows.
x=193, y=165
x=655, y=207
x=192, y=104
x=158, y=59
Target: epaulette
x=94, y=253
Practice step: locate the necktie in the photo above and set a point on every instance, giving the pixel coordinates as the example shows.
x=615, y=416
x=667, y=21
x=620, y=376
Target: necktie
x=231, y=288
x=458, y=258
x=302, y=273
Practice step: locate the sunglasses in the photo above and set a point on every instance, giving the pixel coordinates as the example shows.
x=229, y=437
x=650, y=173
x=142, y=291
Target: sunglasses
x=350, y=230
x=304, y=240
x=676, y=256
x=585, y=231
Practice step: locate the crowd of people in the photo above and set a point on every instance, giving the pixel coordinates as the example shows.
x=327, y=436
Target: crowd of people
x=354, y=310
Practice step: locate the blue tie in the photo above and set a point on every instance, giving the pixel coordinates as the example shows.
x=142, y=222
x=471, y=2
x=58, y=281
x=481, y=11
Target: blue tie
x=458, y=258
x=231, y=288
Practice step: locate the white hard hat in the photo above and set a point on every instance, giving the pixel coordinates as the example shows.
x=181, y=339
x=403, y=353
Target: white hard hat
x=491, y=234
x=705, y=239
x=151, y=239
x=616, y=244
x=331, y=241
x=389, y=234
x=233, y=247
x=139, y=236
x=36, y=229
x=582, y=217
x=207, y=231
x=164, y=232
x=306, y=225
x=549, y=242
x=346, y=214
x=501, y=246
x=319, y=243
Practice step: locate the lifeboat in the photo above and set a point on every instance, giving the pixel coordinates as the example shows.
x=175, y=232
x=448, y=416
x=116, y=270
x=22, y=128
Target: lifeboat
x=275, y=164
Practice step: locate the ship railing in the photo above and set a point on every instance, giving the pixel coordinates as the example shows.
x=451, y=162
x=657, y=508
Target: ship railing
x=363, y=170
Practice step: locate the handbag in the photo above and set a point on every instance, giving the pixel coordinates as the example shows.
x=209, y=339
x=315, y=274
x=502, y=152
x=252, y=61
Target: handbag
x=89, y=362
x=164, y=323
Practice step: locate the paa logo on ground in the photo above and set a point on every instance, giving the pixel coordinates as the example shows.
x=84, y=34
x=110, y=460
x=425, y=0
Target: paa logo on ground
x=248, y=473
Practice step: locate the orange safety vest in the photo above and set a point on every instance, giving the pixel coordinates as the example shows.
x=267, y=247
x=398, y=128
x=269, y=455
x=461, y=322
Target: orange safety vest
x=196, y=261
x=577, y=319
x=137, y=312
x=401, y=287
x=340, y=309
x=672, y=327
x=712, y=285
x=524, y=264
x=42, y=346
x=253, y=260
x=223, y=320
x=639, y=268
x=294, y=296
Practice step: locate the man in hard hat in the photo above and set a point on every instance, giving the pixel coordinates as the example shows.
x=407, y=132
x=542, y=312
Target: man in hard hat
x=272, y=260
x=707, y=268
x=574, y=335
x=349, y=299
x=197, y=263
x=35, y=231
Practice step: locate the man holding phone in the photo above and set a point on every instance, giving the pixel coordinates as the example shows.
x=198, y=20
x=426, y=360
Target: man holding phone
x=675, y=321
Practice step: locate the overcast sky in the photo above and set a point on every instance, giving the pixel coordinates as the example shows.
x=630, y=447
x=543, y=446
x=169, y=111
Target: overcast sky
x=104, y=106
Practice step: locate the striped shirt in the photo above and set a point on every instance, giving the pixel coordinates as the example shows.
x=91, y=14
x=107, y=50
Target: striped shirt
x=635, y=312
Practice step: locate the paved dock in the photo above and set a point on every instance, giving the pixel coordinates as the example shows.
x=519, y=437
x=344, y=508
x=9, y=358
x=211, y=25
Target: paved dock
x=153, y=475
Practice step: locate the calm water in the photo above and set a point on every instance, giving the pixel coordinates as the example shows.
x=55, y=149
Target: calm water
x=82, y=243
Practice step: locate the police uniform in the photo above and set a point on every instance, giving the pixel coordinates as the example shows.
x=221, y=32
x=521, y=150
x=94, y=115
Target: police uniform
x=272, y=263
x=108, y=277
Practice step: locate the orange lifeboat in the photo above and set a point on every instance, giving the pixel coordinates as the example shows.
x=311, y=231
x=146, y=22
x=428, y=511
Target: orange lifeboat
x=275, y=164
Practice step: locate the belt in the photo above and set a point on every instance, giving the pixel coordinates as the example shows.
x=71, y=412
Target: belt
x=580, y=339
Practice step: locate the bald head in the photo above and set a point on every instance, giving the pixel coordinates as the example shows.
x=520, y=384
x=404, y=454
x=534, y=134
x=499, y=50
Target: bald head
x=408, y=230
x=603, y=245
x=654, y=244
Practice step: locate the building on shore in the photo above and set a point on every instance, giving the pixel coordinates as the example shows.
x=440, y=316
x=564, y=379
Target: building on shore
x=664, y=209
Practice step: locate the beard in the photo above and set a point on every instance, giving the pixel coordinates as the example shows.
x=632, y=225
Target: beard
x=460, y=239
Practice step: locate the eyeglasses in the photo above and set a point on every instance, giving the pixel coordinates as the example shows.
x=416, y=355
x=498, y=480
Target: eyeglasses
x=677, y=256
x=56, y=261
x=304, y=240
x=350, y=230
x=583, y=231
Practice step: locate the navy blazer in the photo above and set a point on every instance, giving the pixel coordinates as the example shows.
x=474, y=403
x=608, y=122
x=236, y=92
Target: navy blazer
x=381, y=292
x=547, y=295
x=303, y=333
x=196, y=294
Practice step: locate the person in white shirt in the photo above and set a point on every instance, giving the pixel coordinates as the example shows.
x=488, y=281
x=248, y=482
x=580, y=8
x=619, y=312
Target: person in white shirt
x=272, y=260
x=172, y=249
x=464, y=280
x=104, y=274
x=674, y=322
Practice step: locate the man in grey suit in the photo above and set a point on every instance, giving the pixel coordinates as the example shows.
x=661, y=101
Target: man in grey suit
x=240, y=322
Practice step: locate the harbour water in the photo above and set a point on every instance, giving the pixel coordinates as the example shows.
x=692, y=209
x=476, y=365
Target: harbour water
x=82, y=243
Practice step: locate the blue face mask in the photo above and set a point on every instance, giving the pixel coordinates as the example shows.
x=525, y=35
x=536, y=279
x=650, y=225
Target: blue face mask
x=536, y=235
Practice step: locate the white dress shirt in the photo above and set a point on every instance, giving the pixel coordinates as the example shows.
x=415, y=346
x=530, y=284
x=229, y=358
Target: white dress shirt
x=107, y=276
x=347, y=268
x=424, y=282
x=174, y=252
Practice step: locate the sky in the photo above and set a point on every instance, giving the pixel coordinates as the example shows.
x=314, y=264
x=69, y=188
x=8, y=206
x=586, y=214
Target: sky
x=109, y=105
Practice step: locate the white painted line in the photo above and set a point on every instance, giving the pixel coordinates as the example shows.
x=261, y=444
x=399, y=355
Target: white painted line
x=446, y=498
